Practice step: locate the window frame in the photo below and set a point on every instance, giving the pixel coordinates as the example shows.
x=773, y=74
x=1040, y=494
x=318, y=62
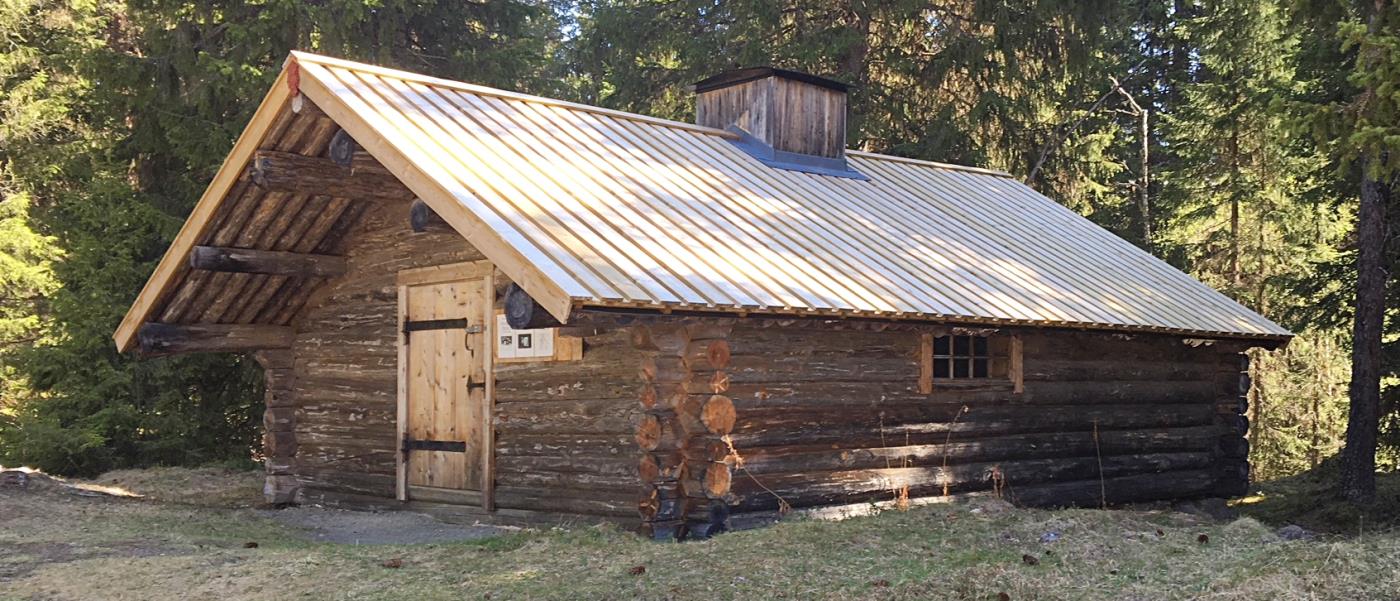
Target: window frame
x=1001, y=353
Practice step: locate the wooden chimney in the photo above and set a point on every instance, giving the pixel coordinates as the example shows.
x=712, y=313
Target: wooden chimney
x=791, y=113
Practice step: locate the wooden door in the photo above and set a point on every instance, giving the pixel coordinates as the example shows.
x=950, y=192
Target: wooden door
x=444, y=363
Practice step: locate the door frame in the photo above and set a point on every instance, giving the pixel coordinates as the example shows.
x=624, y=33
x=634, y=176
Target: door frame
x=439, y=274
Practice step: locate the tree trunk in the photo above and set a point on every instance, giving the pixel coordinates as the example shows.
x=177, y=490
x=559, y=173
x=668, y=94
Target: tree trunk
x=1363, y=421
x=1145, y=181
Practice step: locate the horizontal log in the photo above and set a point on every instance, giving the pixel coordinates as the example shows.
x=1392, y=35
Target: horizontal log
x=845, y=455
x=548, y=480
x=819, y=488
x=509, y=444
x=157, y=339
x=1177, y=484
x=897, y=422
x=247, y=260
x=299, y=174
x=620, y=502
x=1112, y=368
x=569, y=415
x=625, y=465
x=666, y=339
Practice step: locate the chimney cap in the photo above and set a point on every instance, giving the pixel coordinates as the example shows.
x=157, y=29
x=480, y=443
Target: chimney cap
x=738, y=76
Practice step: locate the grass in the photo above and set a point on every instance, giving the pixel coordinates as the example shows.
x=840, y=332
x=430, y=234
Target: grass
x=171, y=544
x=1310, y=500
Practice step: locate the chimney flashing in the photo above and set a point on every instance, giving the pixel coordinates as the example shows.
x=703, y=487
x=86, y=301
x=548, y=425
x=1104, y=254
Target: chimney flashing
x=793, y=161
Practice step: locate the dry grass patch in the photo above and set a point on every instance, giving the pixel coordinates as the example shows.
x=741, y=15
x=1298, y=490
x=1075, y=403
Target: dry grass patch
x=206, y=486
x=931, y=552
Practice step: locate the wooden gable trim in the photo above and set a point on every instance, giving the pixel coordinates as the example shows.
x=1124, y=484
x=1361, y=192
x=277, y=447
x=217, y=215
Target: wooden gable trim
x=515, y=265
x=174, y=262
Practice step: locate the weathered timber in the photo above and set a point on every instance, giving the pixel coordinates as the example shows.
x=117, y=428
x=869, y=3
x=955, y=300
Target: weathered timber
x=247, y=260
x=1181, y=484
x=422, y=218
x=658, y=434
x=666, y=338
x=523, y=313
x=662, y=530
x=718, y=414
x=342, y=149
x=779, y=428
x=611, y=502
x=299, y=174
x=280, y=444
x=706, y=355
x=816, y=488
x=156, y=339
x=870, y=453
x=704, y=520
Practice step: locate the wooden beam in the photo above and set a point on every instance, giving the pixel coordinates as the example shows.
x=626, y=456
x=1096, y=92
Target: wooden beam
x=160, y=284
x=370, y=131
x=247, y=260
x=300, y=174
x=156, y=339
x=523, y=313
x=342, y=149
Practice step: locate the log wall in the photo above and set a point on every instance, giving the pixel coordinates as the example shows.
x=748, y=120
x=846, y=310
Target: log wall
x=828, y=416
x=818, y=413
x=563, y=429
x=346, y=360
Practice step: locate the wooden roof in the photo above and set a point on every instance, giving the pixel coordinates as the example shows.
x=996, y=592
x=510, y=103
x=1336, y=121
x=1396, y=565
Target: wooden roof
x=584, y=206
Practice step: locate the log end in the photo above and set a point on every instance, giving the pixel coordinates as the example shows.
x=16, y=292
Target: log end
x=523, y=313
x=719, y=415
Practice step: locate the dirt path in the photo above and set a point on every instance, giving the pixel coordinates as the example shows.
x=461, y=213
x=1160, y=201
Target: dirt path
x=375, y=528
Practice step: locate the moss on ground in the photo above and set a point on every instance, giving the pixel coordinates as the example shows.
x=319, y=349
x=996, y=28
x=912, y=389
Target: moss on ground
x=68, y=547
x=1311, y=500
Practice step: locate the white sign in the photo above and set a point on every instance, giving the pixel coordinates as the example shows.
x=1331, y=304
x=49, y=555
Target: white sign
x=522, y=344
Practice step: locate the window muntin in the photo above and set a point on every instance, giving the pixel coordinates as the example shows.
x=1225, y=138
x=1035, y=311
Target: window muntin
x=959, y=357
x=963, y=361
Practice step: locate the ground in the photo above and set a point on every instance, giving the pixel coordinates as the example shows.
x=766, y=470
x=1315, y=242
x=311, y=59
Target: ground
x=200, y=534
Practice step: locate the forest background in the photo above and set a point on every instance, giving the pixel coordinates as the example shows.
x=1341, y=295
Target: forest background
x=1251, y=143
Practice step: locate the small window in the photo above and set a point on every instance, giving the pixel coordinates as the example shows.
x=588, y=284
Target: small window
x=966, y=359
x=960, y=357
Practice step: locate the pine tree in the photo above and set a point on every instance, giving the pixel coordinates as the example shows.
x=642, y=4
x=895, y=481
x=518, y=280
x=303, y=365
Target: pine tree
x=1353, y=61
x=142, y=99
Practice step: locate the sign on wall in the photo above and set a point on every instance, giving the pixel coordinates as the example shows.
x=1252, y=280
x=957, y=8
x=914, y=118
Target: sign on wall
x=523, y=344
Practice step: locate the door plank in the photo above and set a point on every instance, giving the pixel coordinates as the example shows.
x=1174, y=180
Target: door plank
x=444, y=371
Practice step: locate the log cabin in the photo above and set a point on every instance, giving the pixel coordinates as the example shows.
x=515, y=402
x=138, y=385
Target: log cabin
x=495, y=306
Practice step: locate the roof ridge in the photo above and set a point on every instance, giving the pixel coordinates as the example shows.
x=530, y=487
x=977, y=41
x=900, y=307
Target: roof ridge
x=298, y=55
x=505, y=94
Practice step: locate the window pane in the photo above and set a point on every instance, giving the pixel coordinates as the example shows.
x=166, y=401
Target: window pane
x=960, y=345
x=940, y=345
x=979, y=368
x=940, y=368
x=979, y=346
x=960, y=368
